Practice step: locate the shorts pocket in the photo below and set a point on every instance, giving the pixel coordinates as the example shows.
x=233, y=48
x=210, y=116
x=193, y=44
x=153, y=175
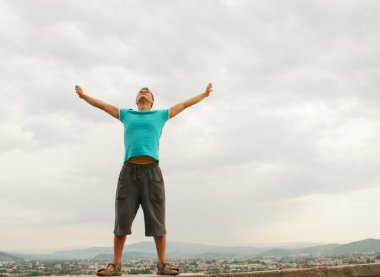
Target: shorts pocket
x=122, y=189
x=156, y=190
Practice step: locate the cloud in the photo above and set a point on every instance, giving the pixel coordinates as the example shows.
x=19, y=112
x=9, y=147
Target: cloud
x=291, y=126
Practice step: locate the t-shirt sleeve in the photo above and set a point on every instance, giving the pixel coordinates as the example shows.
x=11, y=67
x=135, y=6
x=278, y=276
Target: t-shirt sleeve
x=165, y=114
x=122, y=113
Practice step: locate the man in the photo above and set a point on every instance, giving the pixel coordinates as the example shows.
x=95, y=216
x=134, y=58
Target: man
x=140, y=180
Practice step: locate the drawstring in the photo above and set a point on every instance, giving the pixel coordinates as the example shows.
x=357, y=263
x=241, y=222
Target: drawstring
x=135, y=169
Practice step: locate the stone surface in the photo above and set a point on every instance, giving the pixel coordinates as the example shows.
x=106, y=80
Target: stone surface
x=363, y=270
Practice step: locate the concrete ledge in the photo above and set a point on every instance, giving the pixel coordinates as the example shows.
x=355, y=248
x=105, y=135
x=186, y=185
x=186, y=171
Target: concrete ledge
x=364, y=270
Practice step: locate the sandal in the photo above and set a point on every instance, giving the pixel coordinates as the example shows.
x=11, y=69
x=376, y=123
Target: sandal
x=106, y=272
x=168, y=271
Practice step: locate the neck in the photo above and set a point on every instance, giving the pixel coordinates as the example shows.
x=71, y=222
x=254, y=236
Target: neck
x=144, y=107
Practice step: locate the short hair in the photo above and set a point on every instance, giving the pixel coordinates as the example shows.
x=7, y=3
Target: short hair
x=145, y=88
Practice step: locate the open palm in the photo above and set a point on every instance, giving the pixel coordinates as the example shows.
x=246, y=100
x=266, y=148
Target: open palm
x=208, y=89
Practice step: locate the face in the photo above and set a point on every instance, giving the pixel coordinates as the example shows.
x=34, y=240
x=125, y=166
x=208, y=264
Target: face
x=144, y=93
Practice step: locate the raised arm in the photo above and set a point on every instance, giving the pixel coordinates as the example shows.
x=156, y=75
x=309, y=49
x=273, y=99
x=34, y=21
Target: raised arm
x=189, y=102
x=111, y=109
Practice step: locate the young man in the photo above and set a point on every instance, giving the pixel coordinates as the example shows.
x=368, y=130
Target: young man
x=140, y=180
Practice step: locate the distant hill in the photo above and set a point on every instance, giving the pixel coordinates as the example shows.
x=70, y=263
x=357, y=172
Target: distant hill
x=321, y=250
x=4, y=257
x=361, y=246
x=133, y=255
x=146, y=250
x=83, y=253
x=367, y=245
x=277, y=252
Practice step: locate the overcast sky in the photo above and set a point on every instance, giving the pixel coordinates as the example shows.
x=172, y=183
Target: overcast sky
x=285, y=149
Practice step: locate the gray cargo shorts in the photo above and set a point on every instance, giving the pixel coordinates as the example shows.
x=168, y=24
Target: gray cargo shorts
x=140, y=184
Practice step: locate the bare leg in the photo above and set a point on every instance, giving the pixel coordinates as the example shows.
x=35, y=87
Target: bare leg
x=161, y=248
x=118, y=245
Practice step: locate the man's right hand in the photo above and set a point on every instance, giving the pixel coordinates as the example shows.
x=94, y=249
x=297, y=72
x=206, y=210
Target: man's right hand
x=111, y=109
x=79, y=90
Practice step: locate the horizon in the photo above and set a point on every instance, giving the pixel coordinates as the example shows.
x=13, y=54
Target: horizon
x=264, y=245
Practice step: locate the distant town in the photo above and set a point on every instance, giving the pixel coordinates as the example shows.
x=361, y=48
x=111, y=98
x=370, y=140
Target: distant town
x=140, y=258
x=186, y=265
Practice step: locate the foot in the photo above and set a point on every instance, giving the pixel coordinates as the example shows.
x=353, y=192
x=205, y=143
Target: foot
x=172, y=270
x=166, y=269
x=102, y=272
x=109, y=270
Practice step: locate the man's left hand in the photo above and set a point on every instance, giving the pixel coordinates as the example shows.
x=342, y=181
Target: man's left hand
x=208, y=89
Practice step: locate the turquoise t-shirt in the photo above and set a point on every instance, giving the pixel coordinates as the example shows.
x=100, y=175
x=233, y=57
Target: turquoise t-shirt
x=142, y=131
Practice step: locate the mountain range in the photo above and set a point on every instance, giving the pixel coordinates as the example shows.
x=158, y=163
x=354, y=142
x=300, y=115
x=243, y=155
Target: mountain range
x=147, y=250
